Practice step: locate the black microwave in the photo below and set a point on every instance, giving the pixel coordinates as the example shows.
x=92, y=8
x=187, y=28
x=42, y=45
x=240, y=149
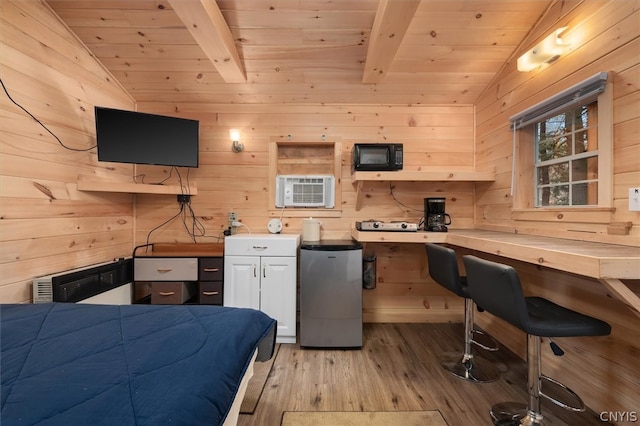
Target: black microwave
x=377, y=156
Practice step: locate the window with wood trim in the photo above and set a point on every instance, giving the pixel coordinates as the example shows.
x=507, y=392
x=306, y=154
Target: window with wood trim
x=563, y=152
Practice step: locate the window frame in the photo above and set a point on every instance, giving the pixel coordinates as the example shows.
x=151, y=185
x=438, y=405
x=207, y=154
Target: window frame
x=524, y=172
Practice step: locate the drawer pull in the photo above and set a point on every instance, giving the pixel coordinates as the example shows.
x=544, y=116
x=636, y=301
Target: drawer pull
x=260, y=248
x=210, y=293
x=166, y=293
x=164, y=270
x=211, y=269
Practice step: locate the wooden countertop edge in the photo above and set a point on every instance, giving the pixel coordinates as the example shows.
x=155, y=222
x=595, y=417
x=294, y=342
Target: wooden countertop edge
x=183, y=250
x=595, y=260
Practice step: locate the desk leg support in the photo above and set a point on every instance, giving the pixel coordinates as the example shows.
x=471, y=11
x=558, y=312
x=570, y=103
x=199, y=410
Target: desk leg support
x=622, y=292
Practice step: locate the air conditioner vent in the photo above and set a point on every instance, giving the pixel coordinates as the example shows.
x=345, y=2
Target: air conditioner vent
x=42, y=291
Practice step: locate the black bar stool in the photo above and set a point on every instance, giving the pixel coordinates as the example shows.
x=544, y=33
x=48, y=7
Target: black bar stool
x=443, y=268
x=497, y=288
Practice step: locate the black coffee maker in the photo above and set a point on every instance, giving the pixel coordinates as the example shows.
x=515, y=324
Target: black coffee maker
x=435, y=219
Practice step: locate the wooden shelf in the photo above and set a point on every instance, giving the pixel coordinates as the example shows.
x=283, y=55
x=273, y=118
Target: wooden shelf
x=435, y=175
x=306, y=212
x=86, y=183
x=424, y=176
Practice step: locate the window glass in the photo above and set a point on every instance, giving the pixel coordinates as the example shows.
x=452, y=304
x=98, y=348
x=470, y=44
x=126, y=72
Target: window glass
x=566, y=158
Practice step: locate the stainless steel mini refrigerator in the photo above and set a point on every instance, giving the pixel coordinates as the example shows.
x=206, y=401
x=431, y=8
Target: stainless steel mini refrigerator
x=331, y=294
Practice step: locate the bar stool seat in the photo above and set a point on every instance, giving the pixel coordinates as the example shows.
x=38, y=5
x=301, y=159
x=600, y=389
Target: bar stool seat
x=443, y=268
x=497, y=288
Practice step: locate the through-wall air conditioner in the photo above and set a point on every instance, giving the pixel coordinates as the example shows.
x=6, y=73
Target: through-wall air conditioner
x=305, y=191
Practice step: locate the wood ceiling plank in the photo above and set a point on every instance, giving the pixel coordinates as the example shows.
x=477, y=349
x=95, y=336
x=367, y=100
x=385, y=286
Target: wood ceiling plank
x=149, y=51
x=317, y=19
x=310, y=52
x=109, y=4
x=444, y=65
x=116, y=18
x=168, y=77
x=309, y=93
x=158, y=65
x=390, y=25
x=206, y=24
x=426, y=36
x=298, y=5
x=453, y=53
x=92, y=35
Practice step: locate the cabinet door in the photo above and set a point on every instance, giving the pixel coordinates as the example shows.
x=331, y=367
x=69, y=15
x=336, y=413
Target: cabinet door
x=242, y=281
x=278, y=294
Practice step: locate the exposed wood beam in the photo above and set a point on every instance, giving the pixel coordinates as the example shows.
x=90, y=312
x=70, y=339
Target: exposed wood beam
x=392, y=21
x=204, y=20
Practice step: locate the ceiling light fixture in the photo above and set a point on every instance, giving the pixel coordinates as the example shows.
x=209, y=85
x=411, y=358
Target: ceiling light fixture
x=234, y=135
x=545, y=52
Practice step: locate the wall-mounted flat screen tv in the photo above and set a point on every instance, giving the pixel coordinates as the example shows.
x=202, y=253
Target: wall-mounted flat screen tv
x=141, y=138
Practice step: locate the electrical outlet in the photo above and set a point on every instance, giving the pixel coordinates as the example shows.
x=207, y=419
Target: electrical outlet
x=232, y=217
x=634, y=199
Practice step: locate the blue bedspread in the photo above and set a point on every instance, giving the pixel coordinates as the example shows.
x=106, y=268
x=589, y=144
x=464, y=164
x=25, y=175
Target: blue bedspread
x=74, y=364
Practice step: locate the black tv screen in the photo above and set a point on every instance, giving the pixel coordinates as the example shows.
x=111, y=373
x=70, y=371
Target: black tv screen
x=141, y=138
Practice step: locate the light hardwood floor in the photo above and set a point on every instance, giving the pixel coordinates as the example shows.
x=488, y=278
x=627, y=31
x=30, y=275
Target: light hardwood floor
x=396, y=370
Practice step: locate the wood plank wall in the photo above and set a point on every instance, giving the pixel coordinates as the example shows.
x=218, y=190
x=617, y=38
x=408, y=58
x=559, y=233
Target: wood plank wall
x=432, y=136
x=46, y=224
x=602, y=370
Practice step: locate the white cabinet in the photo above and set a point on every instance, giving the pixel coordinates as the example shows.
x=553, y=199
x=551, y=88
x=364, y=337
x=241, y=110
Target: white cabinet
x=261, y=273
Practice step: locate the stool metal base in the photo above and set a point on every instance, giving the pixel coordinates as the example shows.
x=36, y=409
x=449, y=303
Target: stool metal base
x=508, y=413
x=464, y=365
x=473, y=369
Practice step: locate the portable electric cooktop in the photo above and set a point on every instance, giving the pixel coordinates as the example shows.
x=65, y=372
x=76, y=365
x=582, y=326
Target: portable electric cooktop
x=378, y=225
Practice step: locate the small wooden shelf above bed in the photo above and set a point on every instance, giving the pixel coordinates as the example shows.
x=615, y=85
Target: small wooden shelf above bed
x=87, y=183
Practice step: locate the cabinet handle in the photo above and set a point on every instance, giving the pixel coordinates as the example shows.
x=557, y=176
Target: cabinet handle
x=260, y=248
x=210, y=293
x=211, y=269
x=166, y=293
x=254, y=271
x=164, y=270
x=264, y=271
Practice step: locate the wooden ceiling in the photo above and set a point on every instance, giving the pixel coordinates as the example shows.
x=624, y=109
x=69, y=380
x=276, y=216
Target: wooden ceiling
x=303, y=51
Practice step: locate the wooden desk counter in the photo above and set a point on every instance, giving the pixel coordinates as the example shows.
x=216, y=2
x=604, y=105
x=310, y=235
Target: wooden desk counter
x=596, y=260
x=180, y=250
x=608, y=263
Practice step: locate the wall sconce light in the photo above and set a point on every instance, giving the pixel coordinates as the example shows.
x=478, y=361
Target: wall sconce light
x=545, y=52
x=234, y=135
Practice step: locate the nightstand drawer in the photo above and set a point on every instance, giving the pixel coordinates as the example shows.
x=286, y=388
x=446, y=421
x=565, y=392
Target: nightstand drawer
x=165, y=269
x=210, y=293
x=172, y=293
x=211, y=268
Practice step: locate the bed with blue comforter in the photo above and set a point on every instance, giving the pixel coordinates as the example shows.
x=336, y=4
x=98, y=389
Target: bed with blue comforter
x=74, y=364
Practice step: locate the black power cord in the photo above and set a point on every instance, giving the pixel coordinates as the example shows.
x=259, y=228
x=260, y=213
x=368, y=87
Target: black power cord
x=42, y=124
